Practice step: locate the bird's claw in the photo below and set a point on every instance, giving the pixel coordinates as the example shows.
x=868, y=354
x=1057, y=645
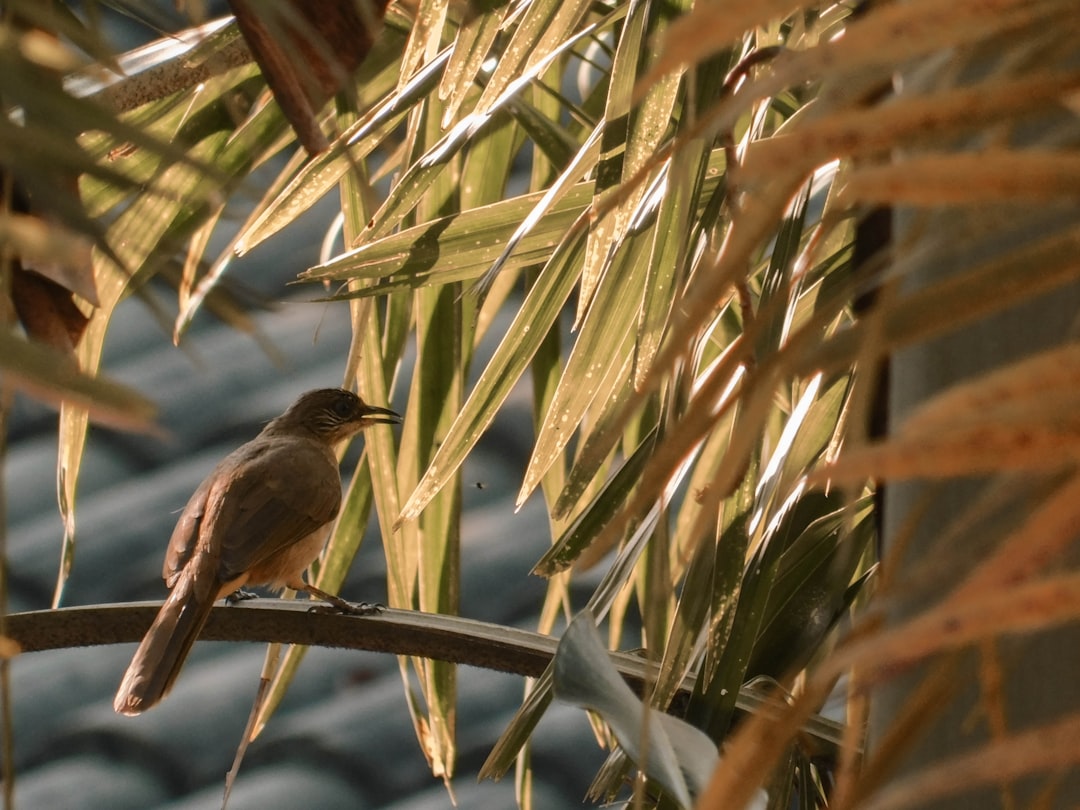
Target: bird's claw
x=240, y=596
x=349, y=608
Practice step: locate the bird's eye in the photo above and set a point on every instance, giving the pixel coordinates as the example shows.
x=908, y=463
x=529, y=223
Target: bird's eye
x=342, y=407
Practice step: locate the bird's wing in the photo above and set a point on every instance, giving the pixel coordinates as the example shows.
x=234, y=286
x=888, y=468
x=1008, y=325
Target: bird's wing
x=274, y=494
x=186, y=534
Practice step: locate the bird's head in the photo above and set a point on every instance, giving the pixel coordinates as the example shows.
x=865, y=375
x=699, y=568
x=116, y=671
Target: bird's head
x=332, y=414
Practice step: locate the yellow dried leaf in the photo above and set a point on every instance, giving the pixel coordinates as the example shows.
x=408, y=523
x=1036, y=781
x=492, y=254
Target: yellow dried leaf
x=975, y=450
x=867, y=130
x=707, y=29
x=1051, y=747
x=1041, y=539
x=975, y=178
x=9, y=648
x=1039, y=388
x=959, y=622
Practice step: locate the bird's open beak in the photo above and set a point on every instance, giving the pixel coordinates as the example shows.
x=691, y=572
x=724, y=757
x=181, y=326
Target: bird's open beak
x=375, y=415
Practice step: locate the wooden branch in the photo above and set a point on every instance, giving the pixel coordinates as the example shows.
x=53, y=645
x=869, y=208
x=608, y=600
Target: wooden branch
x=399, y=632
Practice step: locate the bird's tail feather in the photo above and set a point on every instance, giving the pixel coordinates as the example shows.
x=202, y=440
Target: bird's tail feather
x=165, y=646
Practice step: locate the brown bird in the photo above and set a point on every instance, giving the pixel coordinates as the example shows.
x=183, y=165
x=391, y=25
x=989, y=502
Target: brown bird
x=260, y=518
